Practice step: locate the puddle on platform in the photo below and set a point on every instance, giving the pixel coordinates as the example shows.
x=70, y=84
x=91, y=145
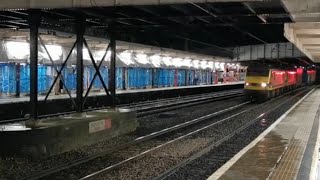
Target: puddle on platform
x=260, y=160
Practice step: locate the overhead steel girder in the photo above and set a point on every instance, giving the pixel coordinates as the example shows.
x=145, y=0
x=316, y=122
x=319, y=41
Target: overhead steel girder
x=34, y=22
x=32, y=4
x=267, y=51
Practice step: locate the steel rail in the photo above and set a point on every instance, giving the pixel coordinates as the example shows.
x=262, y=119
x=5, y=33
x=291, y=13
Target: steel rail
x=188, y=134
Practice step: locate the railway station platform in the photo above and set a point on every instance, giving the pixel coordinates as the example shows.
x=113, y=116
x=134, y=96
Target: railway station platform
x=7, y=100
x=287, y=150
x=18, y=107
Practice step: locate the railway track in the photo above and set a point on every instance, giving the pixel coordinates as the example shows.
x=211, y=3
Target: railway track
x=178, y=103
x=136, y=142
x=147, y=144
x=173, y=99
x=157, y=145
x=161, y=105
x=228, y=142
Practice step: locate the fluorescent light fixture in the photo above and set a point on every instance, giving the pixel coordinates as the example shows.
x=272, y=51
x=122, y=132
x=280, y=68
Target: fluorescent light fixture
x=126, y=58
x=187, y=62
x=142, y=58
x=156, y=60
x=85, y=53
x=17, y=50
x=55, y=52
x=196, y=63
x=204, y=64
x=211, y=65
x=222, y=66
x=177, y=62
x=167, y=61
x=217, y=65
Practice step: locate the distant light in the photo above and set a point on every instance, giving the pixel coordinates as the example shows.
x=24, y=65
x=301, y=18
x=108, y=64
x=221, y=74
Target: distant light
x=167, y=61
x=142, y=59
x=177, y=62
x=222, y=65
x=156, y=60
x=211, y=65
x=196, y=63
x=204, y=64
x=126, y=58
x=18, y=50
x=187, y=62
x=85, y=53
x=217, y=65
x=55, y=51
x=108, y=54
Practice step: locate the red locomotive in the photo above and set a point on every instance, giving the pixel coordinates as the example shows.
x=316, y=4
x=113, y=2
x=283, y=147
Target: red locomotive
x=265, y=82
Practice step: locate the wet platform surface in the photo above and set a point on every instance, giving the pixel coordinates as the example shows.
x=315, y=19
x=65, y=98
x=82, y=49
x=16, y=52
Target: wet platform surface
x=286, y=151
x=7, y=99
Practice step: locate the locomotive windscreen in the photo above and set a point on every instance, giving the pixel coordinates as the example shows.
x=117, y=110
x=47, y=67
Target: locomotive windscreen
x=255, y=71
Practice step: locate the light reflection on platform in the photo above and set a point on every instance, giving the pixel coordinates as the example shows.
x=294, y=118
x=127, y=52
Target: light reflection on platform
x=263, y=158
x=20, y=126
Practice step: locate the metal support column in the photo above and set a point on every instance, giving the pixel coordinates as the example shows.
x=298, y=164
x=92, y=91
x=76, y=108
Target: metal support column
x=124, y=79
x=112, y=86
x=186, y=77
x=17, y=79
x=80, y=28
x=153, y=75
x=34, y=22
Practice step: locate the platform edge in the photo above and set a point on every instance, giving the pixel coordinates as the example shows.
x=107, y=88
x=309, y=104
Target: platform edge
x=217, y=174
x=315, y=165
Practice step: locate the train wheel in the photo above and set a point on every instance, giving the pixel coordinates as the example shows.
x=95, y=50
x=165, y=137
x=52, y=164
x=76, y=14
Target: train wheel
x=273, y=94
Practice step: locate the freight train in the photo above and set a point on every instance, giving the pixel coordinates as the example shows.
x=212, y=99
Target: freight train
x=265, y=82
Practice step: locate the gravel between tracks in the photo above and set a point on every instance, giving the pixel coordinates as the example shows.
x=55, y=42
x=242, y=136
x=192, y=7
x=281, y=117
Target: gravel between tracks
x=17, y=168
x=149, y=124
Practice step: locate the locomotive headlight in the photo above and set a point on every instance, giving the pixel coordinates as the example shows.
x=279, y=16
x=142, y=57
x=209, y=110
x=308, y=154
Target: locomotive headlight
x=247, y=84
x=263, y=85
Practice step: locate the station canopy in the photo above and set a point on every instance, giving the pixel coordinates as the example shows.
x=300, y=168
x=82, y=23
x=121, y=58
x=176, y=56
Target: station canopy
x=14, y=48
x=199, y=26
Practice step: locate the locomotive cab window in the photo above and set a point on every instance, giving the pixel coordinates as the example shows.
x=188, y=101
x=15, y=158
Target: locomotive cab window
x=258, y=72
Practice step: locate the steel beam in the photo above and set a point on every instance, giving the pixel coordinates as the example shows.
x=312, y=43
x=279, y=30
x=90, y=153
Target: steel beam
x=17, y=79
x=97, y=73
x=112, y=81
x=267, y=51
x=59, y=75
x=27, y=4
x=60, y=72
x=34, y=22
x=80, y=29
